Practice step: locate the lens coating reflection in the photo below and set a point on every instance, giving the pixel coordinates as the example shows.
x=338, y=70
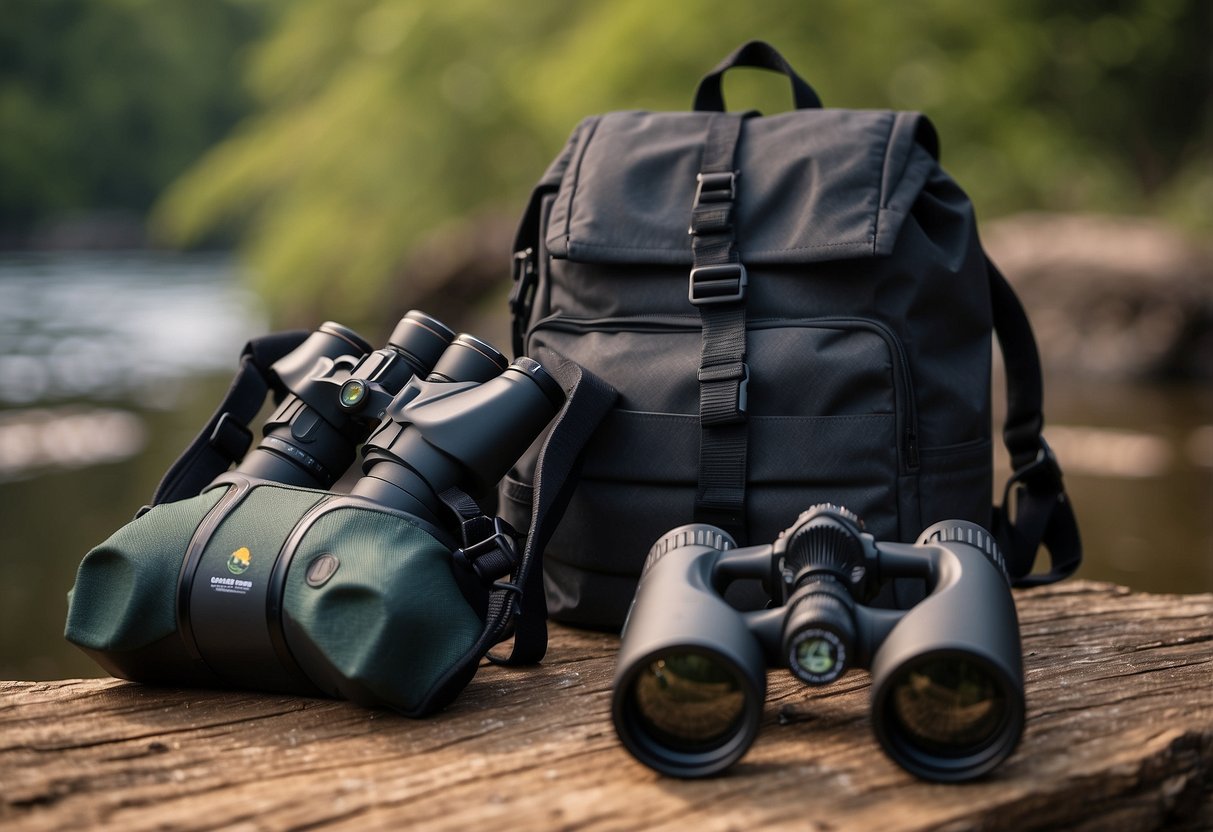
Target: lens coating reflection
x=948, y=706
x=688, y=701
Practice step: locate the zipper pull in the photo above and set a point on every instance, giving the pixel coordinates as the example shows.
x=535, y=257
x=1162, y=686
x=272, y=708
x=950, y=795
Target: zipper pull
x=911, y=447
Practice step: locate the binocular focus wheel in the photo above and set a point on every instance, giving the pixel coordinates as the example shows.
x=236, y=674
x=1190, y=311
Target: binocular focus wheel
x=971, y=534
x=692, y=534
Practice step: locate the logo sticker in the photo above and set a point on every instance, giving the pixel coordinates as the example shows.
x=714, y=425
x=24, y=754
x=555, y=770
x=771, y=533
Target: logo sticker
x=238, y=561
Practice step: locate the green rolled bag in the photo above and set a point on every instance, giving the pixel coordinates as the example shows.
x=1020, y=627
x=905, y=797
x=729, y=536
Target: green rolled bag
x=386, y=590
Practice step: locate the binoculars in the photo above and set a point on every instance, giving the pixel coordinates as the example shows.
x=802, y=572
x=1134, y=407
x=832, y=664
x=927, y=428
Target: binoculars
x=412, y=407
x=334, y=390
x=266, y=579
x=947, y=698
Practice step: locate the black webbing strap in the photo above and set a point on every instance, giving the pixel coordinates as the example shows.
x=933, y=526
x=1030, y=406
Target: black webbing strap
x=1043, y=514
x=522, y=602
x=717, y=288
x=489, y=544
x=226, y=436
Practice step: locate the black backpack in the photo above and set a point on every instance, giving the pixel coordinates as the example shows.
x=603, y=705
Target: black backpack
x=795, y=309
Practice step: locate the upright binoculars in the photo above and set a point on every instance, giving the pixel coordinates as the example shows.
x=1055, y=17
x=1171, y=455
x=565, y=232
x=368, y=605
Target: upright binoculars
x=379, y=591
x=455, y=392
x=947, y=699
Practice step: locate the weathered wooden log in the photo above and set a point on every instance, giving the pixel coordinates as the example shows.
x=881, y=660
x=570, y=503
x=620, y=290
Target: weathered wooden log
x=1119, y=736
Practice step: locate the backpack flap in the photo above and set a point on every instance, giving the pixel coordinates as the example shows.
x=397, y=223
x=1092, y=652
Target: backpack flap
x=814, y=185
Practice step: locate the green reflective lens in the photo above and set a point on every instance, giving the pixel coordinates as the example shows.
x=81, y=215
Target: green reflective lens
x=688, y=701
x=949, y=706
x=352, y=392
x=816, y=655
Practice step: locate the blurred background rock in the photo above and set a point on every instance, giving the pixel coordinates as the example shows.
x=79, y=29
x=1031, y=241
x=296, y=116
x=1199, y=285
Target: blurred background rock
x=176, y=175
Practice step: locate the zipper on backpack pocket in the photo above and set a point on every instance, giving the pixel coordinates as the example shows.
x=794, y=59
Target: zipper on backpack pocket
x=903, y=388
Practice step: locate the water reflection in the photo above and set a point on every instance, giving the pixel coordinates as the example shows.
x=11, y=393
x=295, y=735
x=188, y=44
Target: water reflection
x=109, y=362
x=117, y=326
x=1112, y=452
x=36, y=441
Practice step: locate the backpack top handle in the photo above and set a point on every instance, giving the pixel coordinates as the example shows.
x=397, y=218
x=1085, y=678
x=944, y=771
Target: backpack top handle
x=760, y=55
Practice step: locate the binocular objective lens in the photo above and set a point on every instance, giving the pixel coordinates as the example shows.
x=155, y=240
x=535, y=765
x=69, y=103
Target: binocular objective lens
x=948, y=706
x=688, y=702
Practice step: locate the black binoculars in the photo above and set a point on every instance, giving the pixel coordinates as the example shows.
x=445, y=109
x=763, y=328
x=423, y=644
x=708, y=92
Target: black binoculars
x=337, y=395
x=377, y=591
x=947, y=701
x=334, y=389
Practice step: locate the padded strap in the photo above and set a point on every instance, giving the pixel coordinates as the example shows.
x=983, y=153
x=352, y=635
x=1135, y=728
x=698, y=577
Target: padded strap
x=1042, y=512
x=588, y=399
x=717, y=289
x=226, y=436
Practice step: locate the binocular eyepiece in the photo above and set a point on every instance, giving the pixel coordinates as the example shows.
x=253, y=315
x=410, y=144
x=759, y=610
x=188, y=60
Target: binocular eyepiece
x=947, y=700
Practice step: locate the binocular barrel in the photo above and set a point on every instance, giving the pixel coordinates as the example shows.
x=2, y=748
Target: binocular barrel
x=947, y=681
x=691, y=678
x=947, y=677
x=313, y=435
x=468, y=359
x=467, y=434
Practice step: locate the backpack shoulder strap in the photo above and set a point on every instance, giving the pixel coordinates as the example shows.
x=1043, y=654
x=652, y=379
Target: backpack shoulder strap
x=1042, y=512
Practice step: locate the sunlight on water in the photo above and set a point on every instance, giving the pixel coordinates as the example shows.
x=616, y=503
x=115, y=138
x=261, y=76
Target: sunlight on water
x=106, y=327
x=109, y=362
x=1114, y=452
x=39, y=441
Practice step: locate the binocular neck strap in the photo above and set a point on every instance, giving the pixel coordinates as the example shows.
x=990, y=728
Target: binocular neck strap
x=226, y=436
x=588, y=399
x=1043, y=514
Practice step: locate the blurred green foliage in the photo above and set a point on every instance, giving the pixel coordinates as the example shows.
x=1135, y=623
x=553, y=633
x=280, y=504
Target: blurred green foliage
x=376, y=123
x=104, y=102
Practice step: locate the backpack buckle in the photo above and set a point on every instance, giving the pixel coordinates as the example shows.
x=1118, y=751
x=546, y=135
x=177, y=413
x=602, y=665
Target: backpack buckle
x=492, y=558
x=715, y=187
x=522, y=296
x=723, y=283
x=1042, y=475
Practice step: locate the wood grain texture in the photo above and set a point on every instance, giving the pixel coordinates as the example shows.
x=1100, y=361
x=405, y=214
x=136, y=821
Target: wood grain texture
x=1119, y=736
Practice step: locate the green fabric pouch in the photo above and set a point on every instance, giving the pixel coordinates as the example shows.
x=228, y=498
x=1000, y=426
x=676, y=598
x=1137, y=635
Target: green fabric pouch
x=283, y=589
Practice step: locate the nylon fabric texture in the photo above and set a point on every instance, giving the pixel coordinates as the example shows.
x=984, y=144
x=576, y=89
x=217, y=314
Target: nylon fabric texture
x=124, y=596
x=390, y=624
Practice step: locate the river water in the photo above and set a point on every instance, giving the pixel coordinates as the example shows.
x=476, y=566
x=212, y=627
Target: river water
x=110, y=362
